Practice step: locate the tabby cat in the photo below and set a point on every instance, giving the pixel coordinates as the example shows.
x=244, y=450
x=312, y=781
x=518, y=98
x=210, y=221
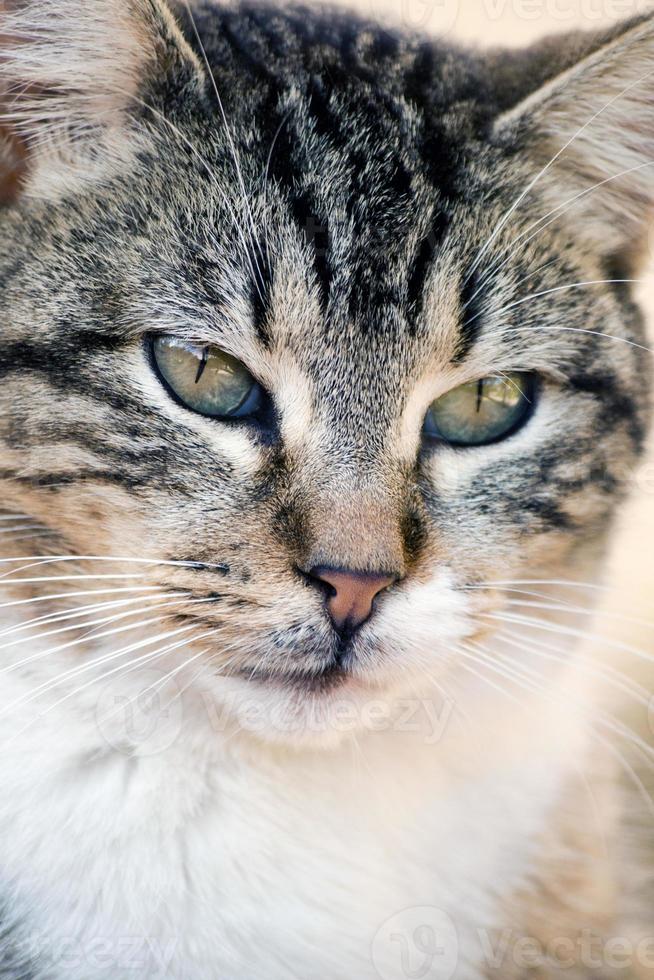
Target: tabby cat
x=321, y=381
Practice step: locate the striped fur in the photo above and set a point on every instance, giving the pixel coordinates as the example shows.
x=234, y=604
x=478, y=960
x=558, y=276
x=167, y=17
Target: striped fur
x=366, y=219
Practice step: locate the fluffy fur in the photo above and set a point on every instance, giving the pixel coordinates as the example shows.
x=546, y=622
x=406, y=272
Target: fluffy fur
x=198, y=780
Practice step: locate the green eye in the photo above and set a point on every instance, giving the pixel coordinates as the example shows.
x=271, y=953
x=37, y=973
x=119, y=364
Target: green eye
x=206, y=380
x=483, y=411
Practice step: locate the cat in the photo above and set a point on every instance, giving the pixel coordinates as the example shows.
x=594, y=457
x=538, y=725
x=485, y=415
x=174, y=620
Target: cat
x=322, y=380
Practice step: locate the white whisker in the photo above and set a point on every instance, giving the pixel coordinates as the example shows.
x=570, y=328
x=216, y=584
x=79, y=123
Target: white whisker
x=17, y=527
x=232, y=146
x=595, y=333
x=11, y=582
x=605, y=673
x=532, y=681
x=560, y=289
x=88, y=666
x=35, y=600
x=561, y=630
x=125, y=669
x=580, y=611
x=570, y=583
x=39, y=560
x=154, y=687
x=541, y=173
x=86, y=609
x=508, y=253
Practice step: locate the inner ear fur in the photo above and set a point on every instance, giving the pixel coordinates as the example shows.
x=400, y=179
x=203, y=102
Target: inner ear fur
x=74, y=76
x=590, y=129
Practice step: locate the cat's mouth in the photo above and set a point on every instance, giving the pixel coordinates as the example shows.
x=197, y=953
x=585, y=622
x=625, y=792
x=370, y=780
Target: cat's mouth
x=331, y=678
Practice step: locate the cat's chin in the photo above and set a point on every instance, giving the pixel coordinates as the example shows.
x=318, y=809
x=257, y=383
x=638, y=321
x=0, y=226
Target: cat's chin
x=315, y=712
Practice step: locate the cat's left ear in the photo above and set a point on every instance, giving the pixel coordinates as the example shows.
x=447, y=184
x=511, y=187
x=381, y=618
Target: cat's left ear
x=589, y=133
x=80, y=82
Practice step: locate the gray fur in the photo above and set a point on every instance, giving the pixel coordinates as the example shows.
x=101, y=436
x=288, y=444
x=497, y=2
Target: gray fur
x=331, y=216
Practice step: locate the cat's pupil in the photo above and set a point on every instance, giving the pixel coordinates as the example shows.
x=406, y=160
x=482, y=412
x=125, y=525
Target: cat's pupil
x=483, y=411
x=205, y=379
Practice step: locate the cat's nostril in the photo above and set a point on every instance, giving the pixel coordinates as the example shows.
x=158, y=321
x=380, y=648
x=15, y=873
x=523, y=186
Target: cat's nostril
x=350, y=594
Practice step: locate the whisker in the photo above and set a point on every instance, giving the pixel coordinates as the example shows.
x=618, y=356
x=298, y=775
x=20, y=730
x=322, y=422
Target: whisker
x=35, y=600
x=39, y=560
x=133, y=665
x=17, y=527
x=469, y=655
x=571, y=583
x=507, y=253
x=595, y=333
x=581, y=610
x=64, y=615
x=71, y=644
x=521, y=671
x=541, y=173
x=247, y=252
x=155, y=686
x=232, y=146
x=9, y=583
x=94, y=634
x=593, y=716
x=568, y=631
x=84, y=668
x=266, y=174
x=604, y=672
x=561, y=289
x=276, y=136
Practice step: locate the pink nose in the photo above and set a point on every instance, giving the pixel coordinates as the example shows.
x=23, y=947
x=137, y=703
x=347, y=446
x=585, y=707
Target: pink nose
x=350, y=595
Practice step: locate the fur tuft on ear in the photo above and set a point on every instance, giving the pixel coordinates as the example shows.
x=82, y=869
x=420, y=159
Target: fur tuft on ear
x=73, y=72
x=590, y=134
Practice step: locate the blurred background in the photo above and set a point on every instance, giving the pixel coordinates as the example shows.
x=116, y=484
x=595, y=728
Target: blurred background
x=626, y=615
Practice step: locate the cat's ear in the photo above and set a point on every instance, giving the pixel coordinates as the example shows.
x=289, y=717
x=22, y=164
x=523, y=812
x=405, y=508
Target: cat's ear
x=589, y=135
x=77, y=79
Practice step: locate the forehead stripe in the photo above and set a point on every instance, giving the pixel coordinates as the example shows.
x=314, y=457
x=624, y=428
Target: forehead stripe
x=471, y=318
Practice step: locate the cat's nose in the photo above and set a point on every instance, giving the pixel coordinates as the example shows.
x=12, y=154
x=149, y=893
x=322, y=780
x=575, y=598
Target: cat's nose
x=350, y=594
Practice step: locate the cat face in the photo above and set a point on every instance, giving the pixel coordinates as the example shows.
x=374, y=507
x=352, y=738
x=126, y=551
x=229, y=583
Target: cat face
x=332, y=345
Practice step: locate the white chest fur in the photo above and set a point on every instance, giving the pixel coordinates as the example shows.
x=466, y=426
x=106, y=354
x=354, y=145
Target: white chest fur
x=217, y=858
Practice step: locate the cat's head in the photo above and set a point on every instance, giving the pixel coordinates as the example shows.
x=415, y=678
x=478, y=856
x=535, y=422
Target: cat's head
x=337, y=345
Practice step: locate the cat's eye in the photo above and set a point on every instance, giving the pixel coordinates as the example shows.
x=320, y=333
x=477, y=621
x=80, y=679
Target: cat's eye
x=483, y=411
x=206, y=380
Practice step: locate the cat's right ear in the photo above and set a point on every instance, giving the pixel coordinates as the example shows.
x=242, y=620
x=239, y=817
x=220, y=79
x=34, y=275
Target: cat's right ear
x=587, y=133
x=80, y=82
